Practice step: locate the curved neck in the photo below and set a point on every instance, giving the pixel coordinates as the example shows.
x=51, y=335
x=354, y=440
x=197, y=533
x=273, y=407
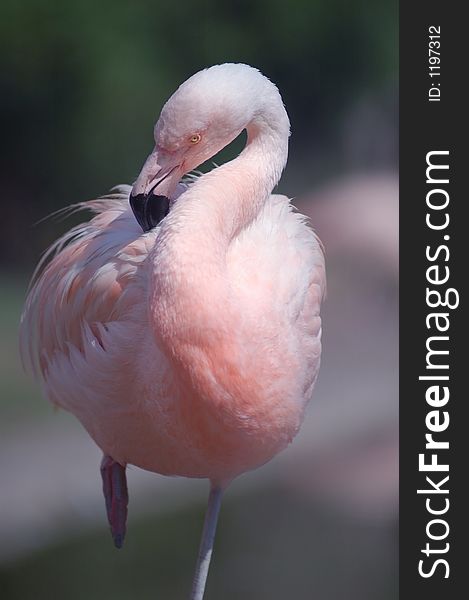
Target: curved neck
x=221, y=203
x=189, y=282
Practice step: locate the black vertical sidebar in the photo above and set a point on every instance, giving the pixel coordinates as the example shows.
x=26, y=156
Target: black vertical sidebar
x=432, y=120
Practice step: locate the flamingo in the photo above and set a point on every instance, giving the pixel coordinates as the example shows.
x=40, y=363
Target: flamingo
x=181, y=324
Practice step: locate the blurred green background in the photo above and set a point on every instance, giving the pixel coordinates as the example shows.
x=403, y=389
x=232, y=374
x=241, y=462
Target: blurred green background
x=81, y=84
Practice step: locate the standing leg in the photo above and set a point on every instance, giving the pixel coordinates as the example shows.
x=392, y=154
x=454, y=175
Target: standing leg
x=206, y=544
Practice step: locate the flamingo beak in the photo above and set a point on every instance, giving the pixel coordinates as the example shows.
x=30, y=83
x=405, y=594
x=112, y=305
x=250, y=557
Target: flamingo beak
x=149, y=198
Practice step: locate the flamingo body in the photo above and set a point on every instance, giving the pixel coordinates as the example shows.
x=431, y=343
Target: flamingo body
x=91, y=337
x=191, y=347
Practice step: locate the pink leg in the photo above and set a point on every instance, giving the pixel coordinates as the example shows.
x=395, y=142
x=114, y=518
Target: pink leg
x=116, y=497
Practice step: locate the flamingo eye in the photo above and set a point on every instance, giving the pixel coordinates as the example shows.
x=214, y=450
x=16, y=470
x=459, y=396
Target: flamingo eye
x=195, y=139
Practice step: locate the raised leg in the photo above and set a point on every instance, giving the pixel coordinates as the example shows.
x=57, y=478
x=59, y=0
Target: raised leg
x=116, y=497
x=206, y=544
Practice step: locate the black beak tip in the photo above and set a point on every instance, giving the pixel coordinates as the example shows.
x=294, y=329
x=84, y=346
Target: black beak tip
x=137, y=204
x=149, y=210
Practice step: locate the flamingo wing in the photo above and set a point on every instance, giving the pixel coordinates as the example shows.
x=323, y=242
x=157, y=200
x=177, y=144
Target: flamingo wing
x=89, y=283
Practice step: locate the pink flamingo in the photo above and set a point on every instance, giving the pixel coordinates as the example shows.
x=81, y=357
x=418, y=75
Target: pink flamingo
x=192, y=347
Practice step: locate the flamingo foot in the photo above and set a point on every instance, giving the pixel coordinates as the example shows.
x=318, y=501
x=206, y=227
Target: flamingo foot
x=116, y=497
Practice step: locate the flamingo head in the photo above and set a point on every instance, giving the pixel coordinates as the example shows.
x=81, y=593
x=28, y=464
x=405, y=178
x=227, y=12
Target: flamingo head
x=206, y=113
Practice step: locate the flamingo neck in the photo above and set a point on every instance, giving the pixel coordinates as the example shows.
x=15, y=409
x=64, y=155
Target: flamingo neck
x=220, y=204
x=189, y=257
